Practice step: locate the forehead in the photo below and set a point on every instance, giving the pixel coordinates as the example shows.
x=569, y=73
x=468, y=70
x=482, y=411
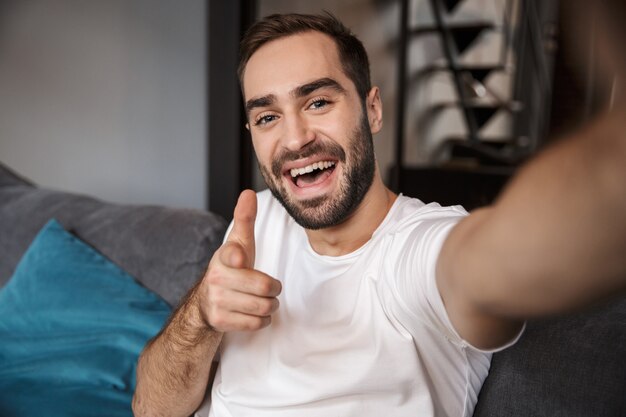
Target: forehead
x=285, y=63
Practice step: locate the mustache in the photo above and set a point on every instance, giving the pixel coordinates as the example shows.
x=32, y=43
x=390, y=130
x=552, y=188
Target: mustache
x=332, y=150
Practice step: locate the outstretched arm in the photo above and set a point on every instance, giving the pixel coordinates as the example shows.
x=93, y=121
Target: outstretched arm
x=553, y=242
x=173, y=370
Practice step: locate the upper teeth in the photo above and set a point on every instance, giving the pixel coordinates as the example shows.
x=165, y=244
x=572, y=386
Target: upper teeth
x=310, y=168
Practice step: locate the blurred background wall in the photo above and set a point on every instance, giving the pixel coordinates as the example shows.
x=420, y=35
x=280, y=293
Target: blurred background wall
x=136, y=101
x=106, y=98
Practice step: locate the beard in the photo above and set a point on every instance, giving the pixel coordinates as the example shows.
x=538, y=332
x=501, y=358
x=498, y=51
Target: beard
x=358, y=174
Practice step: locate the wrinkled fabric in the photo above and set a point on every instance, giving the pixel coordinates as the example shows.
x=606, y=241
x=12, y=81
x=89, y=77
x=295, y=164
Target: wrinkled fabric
x=166, y=249
x=72, y=325
x=568, y=366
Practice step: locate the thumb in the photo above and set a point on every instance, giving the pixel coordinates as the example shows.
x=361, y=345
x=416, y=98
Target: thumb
x=243, y=224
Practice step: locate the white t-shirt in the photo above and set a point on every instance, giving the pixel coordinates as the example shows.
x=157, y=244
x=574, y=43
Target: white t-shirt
x=363, y=334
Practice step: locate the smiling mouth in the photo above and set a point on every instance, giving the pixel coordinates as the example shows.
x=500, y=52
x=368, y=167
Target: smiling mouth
x=312, y=174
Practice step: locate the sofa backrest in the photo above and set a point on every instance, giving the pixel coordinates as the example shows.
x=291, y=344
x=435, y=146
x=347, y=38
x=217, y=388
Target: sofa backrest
x=166, y=249
x=570, y=366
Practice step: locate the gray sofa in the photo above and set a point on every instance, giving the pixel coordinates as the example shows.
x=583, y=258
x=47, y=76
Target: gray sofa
x=569, y=366
x=165, y=249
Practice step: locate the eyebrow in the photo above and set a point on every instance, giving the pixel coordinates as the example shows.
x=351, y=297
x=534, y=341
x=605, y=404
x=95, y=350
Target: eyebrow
x=306, y=89
x=298, y=92
x=259, y=102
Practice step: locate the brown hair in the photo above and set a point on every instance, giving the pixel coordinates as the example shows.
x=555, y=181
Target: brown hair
x=351, y=51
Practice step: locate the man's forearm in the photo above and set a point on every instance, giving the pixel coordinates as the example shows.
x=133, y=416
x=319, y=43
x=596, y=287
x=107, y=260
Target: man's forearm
x=173, y=371
x=557, y=237
x=553, y=242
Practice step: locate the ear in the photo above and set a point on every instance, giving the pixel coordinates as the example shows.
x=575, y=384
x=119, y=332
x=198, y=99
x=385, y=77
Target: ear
x=374, y=108
x=248, y=126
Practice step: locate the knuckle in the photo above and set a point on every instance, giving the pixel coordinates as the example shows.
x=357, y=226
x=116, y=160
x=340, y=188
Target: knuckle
x=263, y=308
x=264, y=322
x=233, y=255
x=217, y=297
x=251, y=307
x=213, y=277
x=275, y=304
x=238, y=256
x=256, y=323
x=249, y=324
x=266, y=307
x=265, y=286
x=217, y=320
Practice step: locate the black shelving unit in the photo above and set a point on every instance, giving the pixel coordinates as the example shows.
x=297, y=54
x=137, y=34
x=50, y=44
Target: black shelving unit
x=471, y=164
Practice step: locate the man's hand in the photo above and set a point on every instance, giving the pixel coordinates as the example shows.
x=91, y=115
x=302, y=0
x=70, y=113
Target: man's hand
x=233, y=295
x=230, y=296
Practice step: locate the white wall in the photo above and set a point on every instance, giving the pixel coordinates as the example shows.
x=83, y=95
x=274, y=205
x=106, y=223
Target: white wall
x=106, y=97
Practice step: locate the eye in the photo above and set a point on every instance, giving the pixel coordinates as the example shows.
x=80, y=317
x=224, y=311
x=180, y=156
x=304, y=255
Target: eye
x=264, y=119
x=318, y=103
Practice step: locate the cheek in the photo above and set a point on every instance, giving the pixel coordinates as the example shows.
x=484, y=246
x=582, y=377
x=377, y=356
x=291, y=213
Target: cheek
x=335, y=129
x=345, y=124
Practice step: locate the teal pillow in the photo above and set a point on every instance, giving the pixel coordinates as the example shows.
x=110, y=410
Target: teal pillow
x=72, y=325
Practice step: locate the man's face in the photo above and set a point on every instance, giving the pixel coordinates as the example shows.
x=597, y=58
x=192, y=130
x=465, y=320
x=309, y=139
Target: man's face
x=311, y=134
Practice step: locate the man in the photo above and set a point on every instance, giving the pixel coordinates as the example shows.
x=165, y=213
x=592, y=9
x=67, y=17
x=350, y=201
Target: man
x=336, y=297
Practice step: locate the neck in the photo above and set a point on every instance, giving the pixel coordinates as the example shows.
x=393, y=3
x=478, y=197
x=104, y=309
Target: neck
x=357, y=229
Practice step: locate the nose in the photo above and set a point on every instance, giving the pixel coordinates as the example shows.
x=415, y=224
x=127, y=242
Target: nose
x=297, y=133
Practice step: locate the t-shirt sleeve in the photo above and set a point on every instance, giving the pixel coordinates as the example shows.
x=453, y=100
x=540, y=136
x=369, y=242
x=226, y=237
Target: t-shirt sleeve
x=417, y=248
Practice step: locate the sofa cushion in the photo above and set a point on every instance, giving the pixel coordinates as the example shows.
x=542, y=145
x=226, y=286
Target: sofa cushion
x=72, y=325
x=166, y=249
x=9, y=177
x=571, y=366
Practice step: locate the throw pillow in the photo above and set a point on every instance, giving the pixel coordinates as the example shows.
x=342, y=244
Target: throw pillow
x=72, y=325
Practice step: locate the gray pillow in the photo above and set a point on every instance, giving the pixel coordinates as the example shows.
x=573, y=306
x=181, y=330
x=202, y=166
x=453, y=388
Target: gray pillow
x=166, y=249
x=10, y=177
